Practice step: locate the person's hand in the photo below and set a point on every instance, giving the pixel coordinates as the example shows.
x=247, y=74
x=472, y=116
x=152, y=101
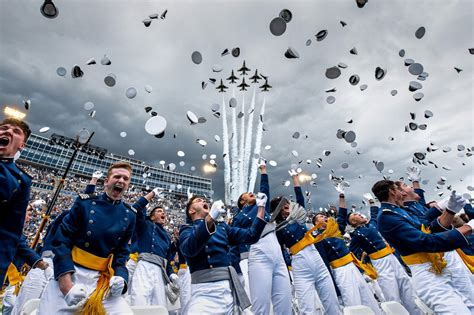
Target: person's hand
x=262, y=165
x=116, y=286
x=217, y=209
x=455, y=203
x=261, y=199
x=42, y=265
x=76, y=295
x=340, y=188
x=292, y=173
x=97, y=174
x=159, y=192
x=49, y=273
x=174, y=278
x=471, y=224
x=413, y=173
x=368, y=196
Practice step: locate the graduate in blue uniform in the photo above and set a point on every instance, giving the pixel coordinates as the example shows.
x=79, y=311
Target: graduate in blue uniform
x=268, y=275
x=36, y=281
x=90, y=251
x=14, y=189
x=391, y=276
x=311, y=277
x=155, y=252
x=205, y=242
x=422, y=248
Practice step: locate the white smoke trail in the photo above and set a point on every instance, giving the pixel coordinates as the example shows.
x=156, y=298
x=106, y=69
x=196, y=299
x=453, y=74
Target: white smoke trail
x=248, y=142
x=242, y=175
x=225, y=152
x=235, y=156
x=258, y=144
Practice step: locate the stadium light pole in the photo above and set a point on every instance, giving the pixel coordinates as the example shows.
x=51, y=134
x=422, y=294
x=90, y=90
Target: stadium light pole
x=79, y=143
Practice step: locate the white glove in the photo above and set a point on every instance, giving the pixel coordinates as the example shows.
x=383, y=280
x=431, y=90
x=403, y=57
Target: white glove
x=76, y=295
x=49, y=273
x=97, y=174
x=368, y=196
x=261, y=199
x=292, y=173
x=159, y=192
x=116, y=286
x=261, y=162
x=217, y=209
x=340, y=188
x=471, y=224
x=367, y=278
x=413, y=173
x=455, y=202
x=174, y=279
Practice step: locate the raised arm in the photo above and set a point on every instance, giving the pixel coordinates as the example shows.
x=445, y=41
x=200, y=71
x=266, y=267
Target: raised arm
x=341, y=218
x=297, y=187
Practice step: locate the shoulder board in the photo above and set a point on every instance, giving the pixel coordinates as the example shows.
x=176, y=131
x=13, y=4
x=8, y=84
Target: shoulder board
x=387, y=210
x=87, y=196
x=24, y=172
x=130, y=207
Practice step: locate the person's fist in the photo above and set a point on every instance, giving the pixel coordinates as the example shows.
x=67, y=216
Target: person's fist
x=76, y=295
x=340, y=188
x=97, y=174
x=217, y=209
x=116, y=286
x=261, y=199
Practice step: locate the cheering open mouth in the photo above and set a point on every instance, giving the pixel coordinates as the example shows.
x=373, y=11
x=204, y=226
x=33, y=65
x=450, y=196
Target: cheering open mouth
x=205, y=206
x=4, y=141
x=117, y=189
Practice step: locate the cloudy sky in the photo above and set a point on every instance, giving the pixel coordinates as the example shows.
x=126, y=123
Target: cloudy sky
x=33, y=47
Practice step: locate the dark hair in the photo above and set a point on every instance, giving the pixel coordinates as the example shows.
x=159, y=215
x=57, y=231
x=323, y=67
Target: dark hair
x=239, y=204
x=152, y=212
x=273, y=205
x=381, y=188
x=19, y=123
x=315, y=215
x=190, y=202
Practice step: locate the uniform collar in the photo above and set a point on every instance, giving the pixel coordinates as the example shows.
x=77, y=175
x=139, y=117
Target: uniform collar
x=110, y=200
x=6, y=160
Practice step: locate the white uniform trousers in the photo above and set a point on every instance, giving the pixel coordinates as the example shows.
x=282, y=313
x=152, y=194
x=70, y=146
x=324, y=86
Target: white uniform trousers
x=148, y=287
x=184, y=279
x=53, y=302
x=354, y=289
x=437, y=291
x=131, y=266
x=395, y=283
x=269, y=279
x=311, y=279
x=9, y=300
x=210, y=298
x=461, y=277
x=32, y=287
x=244, y=279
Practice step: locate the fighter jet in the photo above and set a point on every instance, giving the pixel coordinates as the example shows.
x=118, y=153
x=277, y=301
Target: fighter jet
x=255, y=77
x=244, y=69
x=221, y=87
x=243, y=86
x=265, y=87
x=232, y=79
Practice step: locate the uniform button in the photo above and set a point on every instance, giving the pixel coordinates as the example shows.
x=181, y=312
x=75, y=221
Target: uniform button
x=207, y=247
x=119, y=238
x=126, y=211
x=211, y=266
x=93, y=202
x=152, y=245
x=19, y=181
x=126, y=219
x=208, y=257
x=91, y=221
x=89, y=233
x=92, y=211
x=86, y=244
